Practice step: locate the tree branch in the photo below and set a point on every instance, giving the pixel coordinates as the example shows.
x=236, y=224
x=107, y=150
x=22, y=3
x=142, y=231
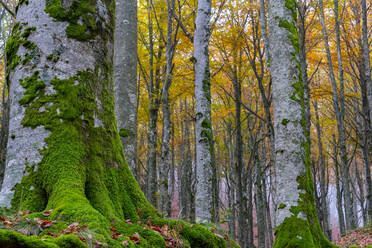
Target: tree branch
x=7, y=9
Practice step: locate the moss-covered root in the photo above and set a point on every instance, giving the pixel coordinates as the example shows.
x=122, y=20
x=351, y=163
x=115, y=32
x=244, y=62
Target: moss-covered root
x=12, y=239
x=295, y=232
x=196, y=236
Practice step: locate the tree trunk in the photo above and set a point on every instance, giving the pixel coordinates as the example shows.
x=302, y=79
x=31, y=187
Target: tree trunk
x=64, y=151
x=368, y=80
x=323, y=192
x=231, y=183
x=341, y=220
x=366, y=145
x=125, y=78
x=165, y=154
x=205, y=209
x=339, y=109
x=260, y=207
x=295, y=206
x=4, y=131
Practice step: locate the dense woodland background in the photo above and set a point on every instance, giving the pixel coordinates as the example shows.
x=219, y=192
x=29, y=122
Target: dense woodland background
x=333, y=40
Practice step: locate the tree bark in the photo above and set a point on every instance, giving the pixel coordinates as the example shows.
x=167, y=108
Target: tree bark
x=205, y=209
x=368, y=80
x=64, y=151
x=341, y=218
x=165, y=153
x=294, y=189
x=339, y=109
x=125, y=78
x=323, y=192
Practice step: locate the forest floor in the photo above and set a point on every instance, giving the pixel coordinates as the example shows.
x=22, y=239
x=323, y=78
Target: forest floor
x=361, y=237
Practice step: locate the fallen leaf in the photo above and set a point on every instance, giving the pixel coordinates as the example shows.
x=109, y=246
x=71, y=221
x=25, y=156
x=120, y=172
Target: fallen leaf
x=47, y=213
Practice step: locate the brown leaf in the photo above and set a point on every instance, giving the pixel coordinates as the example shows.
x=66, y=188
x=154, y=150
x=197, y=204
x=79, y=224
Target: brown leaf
x=135, y=238
x=125, y=243
x=47, y=213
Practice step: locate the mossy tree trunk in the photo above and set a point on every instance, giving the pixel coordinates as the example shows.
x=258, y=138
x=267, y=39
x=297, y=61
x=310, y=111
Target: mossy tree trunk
x=297, y=221
x=64, y=150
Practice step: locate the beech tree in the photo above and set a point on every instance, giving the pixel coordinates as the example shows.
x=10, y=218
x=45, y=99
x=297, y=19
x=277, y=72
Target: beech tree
x=296, y=217
x=205, y=208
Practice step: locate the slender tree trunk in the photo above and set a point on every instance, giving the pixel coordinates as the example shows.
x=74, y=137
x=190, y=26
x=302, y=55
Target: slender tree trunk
x=154, y=93
x=248, y=185
x=182, y=193
x=260, y=208
x=205, y=209
x=339, y=108
x=4, y=131
x=172, y=178
x=238, y=153
x=341, y=220
x=323, y=193
x=165, y=153
x=294, y=187
x=125, y=78
x=366, y=143
x=368, y=80
x=231, y=183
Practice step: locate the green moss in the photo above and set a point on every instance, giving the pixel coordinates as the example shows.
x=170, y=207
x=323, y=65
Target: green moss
x=12, y=239
x=49, y=57
x=125, y=133
x=194, y=235
x=26, y=33
x=285, y=122
x=33, y=88
x=80, y=16
x=12, y=46
x=282, y=206
x=12, y=136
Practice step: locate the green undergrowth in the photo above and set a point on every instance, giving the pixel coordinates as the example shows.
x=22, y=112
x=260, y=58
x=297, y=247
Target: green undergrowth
x=53, y=233
x=12, y=239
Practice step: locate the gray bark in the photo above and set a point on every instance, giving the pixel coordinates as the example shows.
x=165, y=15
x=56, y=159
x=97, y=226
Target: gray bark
x=205, y=209
x=230, y=181
x=125, y=78
x=289, y=133
x=323, y=181
x=154, y=93
x=25, y=143
x=341, y=220
x=368, y=80
x=366, y=141
x=4, y=130
x=339, y=109
x=165, y=153
x=260, y=206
